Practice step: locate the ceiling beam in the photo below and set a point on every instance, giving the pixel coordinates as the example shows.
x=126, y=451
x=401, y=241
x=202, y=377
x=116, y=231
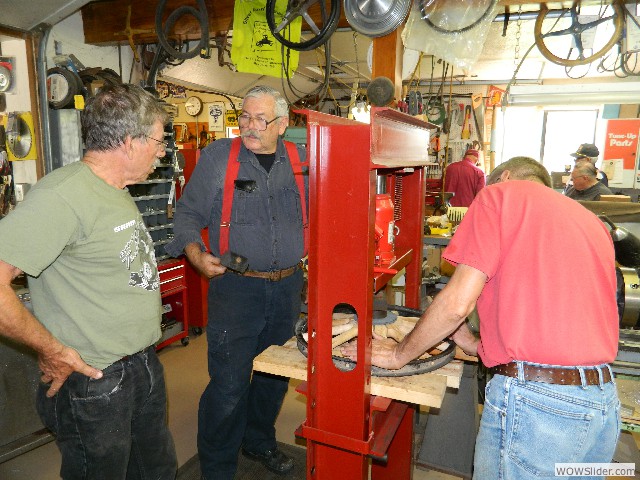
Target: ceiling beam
x=105, y=21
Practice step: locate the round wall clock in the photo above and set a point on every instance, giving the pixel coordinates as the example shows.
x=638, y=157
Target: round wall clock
x=193, y=106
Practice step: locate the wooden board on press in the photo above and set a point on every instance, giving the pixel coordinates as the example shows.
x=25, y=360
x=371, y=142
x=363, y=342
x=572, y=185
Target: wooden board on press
x=425, y=389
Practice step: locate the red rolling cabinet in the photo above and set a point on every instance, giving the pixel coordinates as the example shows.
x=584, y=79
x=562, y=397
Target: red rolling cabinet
x=197, y=285
x=173, y=290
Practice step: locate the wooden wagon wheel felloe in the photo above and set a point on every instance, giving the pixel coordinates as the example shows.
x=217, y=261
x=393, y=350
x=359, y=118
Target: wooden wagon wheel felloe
x=345, y=328
x=576, y=30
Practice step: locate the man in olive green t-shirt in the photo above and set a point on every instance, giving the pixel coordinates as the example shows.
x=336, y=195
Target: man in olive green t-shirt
x=94, y=285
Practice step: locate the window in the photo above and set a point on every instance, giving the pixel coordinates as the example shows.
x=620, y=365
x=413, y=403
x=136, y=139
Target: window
x=548, y=135
x=563, y=132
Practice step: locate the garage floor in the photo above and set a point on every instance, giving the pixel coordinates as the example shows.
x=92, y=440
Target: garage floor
x=186, y=374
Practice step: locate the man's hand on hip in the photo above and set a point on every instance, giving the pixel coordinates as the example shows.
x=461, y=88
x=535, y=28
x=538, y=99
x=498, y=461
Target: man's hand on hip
x=57, y=365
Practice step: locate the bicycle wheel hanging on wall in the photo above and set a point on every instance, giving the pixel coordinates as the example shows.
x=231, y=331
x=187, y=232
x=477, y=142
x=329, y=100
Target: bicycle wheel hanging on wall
x=327, y=11
x=544, y=41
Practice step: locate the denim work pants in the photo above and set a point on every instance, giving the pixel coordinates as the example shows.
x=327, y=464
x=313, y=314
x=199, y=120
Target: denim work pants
x=114, y=428
x=527, y=427
x=246, y=315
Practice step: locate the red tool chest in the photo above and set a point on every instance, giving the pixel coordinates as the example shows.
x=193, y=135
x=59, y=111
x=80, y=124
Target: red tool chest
x=173, y=289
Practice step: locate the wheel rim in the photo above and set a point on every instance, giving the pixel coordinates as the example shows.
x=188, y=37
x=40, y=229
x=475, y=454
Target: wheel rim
x=414, y=367
x=618, y=19
x=300, y=8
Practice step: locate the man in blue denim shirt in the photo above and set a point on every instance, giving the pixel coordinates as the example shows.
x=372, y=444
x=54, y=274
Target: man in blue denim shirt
x=252, y=310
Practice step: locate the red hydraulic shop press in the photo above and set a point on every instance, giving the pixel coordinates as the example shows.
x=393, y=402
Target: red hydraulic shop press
x=348, y=160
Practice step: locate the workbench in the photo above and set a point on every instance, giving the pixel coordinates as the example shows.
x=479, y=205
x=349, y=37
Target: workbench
x=628, y=392
x=427, y=389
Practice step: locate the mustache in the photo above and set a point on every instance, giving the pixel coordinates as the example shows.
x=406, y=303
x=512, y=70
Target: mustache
x=250, y=133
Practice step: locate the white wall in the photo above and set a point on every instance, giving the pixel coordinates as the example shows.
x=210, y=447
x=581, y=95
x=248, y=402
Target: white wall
x=69, y=34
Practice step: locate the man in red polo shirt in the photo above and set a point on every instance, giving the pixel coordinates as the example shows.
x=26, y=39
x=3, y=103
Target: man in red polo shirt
x=541, y=270
x=464, y=179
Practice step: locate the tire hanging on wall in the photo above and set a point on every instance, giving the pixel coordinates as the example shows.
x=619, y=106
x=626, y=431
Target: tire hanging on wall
x=62, y=86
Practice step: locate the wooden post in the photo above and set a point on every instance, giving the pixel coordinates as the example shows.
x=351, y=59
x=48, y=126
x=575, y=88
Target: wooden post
x=387, y=59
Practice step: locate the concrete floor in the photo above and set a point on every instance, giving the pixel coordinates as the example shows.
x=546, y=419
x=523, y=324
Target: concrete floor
x=186, y=375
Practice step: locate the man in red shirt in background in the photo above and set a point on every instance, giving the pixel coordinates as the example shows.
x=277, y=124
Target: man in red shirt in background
x=464, y=179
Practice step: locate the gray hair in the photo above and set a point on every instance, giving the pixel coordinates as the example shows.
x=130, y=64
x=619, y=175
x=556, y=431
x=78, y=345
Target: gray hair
x=585, y=168
x=117, y=112
x=281, y=105
x=521, y=168
x=593, y=160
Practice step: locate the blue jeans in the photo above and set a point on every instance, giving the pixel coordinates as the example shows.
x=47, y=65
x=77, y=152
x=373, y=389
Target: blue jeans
x=113, y=428
x=527, y=427
x=246, y=315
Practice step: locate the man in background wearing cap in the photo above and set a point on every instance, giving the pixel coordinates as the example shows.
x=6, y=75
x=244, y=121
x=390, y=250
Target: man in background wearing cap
x=464, y=179
x=587, y=152
x=585, y=185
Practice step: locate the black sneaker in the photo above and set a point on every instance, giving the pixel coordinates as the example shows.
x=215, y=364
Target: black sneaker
x=274, y=460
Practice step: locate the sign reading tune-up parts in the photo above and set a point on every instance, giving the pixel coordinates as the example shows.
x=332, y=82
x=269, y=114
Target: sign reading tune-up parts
x=621, y=146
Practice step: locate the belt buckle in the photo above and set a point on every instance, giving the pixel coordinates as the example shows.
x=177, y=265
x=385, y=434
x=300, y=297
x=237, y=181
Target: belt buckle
x=275, y=275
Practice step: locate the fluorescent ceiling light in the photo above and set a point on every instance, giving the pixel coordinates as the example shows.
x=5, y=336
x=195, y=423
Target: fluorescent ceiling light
x=595, y=93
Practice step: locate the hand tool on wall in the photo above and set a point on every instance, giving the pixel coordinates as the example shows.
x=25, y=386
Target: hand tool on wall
x=466, y=126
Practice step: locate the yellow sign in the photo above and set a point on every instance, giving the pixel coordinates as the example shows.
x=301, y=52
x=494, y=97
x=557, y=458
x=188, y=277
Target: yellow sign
x=254, y=49
x=230, y=119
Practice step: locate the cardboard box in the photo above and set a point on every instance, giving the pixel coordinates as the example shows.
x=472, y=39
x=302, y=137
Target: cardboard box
x=432, y=261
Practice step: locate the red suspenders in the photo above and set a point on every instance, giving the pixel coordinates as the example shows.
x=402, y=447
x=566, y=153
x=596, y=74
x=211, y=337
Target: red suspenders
x=227, y=195
x=296, y=165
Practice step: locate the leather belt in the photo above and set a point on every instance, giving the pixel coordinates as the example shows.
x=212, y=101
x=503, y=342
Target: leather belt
x=555, y=375
x=273, y=275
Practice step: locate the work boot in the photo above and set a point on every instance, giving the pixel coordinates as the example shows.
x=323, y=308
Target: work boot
x=274, y=460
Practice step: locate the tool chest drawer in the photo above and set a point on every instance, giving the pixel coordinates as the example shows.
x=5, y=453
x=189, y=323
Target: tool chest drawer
x=172, y=275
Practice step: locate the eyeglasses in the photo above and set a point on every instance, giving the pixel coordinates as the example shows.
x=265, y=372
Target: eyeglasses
x=260, y=123
x=159, y=142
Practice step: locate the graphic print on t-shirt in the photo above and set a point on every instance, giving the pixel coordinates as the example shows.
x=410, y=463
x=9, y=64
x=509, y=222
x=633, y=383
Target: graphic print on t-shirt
x=140, y=244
